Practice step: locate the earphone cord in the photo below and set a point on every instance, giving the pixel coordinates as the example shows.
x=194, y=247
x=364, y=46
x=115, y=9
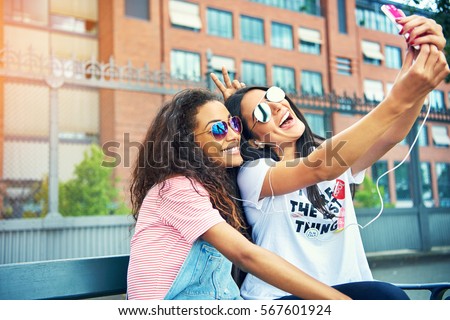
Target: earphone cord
x=398, y=165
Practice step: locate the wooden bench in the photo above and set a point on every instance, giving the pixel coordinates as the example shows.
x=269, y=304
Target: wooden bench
x=95, y=277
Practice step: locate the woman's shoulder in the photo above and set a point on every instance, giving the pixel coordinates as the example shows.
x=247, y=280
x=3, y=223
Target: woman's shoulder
x=181, y=183
x=261, y=162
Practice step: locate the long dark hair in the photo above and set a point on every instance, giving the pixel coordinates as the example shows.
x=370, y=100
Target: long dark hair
x=169, y=149
x=304, y=145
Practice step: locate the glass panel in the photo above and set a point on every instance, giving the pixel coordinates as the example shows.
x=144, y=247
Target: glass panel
x=84, y=9
x=373, y=90
x=437, y=100
x=311, y=83
x=69, y=47
x=342, y=16
x=423, y=137
x=443, y=181
x=185, y=15
x=254, y=73
x=282, y=36
x=284, y=78
x=402, y=185
x=379, y=168
x=185, y=65
x=21, y=39
x=374, y=20
x=252, y=30
x=344, y=66
x=393, y=57
x=309, y=47
x=316, y=123
x=306, y=6
x=27, y=11
x=137, y=9
x=72, y=24
x=220, y=23
x=427, y=189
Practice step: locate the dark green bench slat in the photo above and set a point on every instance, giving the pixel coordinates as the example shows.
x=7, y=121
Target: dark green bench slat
x=437, y=290
x=64, y=279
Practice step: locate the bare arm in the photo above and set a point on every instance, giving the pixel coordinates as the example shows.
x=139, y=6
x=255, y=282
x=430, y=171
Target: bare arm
x=267, y=265
x=422, y=31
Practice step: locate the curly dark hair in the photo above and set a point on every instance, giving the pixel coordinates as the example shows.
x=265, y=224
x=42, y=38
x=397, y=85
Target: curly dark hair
x=304, y=145
x=169, y=149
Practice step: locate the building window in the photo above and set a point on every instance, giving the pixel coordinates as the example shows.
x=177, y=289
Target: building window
x=379, y=168
x=74, y=16
x=22, y=39
x=316, y=123
x=185, y=65
x=185, y=15
x=282, y=36
x=427, y=189
x=217, y=62
x=284, y=78
x=137, y=9
x=373, y=90
x=254, y=73
x=26, y=11
x=311, y=83
x=372, y=53
x=70, y=46
x=220, y=23
x=440, y=136
x=306, y=6
x=443, y=182
x=344, y=66
x=252, y=30
x=437, y=101
x=402, y=185
x=375, y=21
x=310, y=41
x=342, y=16
x=393, y=57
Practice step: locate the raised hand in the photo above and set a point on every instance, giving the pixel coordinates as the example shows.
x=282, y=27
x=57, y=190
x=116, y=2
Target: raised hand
x=417, y=78
x=229, y=87
x=422, y=31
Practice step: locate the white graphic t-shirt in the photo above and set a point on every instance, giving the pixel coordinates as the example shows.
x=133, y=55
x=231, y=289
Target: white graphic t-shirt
x=327, y=246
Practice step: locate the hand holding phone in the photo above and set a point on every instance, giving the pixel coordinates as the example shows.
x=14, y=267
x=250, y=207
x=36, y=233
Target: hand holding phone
x=393, y=13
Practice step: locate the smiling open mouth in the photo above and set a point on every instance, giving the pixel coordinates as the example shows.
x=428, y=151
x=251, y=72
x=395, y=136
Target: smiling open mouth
x=286, y=120
x=231, y=149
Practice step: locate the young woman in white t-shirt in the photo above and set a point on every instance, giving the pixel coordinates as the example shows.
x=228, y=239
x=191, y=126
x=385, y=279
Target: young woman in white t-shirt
x=295, y=189
x=187, y=229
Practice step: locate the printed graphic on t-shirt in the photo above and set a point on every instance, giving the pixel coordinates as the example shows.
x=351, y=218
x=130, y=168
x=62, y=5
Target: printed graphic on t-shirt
x=308, y=221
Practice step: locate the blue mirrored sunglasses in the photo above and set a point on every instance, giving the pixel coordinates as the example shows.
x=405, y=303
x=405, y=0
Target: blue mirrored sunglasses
x=219, y=129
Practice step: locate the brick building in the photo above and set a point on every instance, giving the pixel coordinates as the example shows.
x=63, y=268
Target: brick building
x=308, y=47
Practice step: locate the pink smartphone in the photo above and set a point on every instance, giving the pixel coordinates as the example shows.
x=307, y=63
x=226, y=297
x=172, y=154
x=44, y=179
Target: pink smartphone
x=393, y=13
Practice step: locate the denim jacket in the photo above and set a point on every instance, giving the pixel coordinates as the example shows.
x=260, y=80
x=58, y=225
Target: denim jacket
x=204, y=275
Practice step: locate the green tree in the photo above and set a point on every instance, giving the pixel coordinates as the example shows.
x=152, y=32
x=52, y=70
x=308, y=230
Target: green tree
x=366, y=195
x=90, y=192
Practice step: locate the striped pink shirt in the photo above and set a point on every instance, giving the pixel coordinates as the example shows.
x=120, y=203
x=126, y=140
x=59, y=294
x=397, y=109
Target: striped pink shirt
x=170, y=220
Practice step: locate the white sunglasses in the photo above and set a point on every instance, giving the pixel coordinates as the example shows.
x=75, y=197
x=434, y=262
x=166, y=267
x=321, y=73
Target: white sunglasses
x=262, y=112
